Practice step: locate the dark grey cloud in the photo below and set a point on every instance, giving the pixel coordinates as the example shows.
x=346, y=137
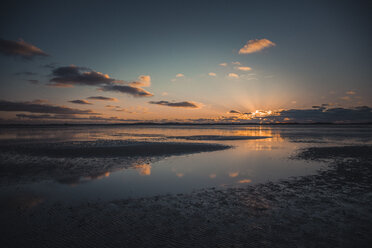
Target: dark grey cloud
x=50, y=65
x=75, y=75
x=102, y=98
x=68, y=76
x=25, y=73
x=71, y=117
x=33, y=81
x=134, y=91
x=20, y=48
x=81, y=102
x=359, y=114
x=40, y=108
x=185, y=104
x=234, y=112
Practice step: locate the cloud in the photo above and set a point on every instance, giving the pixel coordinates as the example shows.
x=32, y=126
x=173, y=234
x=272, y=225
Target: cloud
x=345, y=98
x=20, y=48
x=351, y=92
x=102, y=98
x=39, y=108
x=143, y=81
x=73, y=117
x=25, y=73
x=134, y=91
x=68, y=76
x=180, y=75
x=74, y=75
x=233, y=75
x=234, y=112
x=164, y=93
x=81, y=102
x=256, y=45
x=244, y=68
x=236, y=63
x=212, y=74
x=223, y=64
x=33, y=81
x=185, y=104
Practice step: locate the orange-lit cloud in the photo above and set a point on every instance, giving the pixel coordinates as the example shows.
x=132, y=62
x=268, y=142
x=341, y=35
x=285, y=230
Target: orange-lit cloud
x=244, y=68
x=180, y=75
x=351, y=92
x=233, y=75
x=223, y=64
x=245, y=181
x=256, y=45
x=143, y=81
x=212, y=74
x=233, y=174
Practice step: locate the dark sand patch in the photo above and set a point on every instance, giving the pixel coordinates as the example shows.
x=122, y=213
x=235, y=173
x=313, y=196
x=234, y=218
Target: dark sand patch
x=68, y=162
x=219, y=137
x=330, y=209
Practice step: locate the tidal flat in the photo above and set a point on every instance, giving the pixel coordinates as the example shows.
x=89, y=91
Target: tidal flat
x=305, y=186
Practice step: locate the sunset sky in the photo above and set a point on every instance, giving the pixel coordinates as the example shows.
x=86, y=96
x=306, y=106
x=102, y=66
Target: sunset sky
x=194, y=61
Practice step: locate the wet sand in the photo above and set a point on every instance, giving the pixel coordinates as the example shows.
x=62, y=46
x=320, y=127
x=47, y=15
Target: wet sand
x=330, y=209
x=66, y=162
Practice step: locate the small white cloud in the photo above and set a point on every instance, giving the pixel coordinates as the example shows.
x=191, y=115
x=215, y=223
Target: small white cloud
x=223, y=64
x=244, y=68
x=233, y=75
x=212, y=74
x=180, y=75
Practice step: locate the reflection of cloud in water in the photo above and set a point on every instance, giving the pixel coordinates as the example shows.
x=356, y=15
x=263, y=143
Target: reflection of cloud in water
x=143, y=169
x=179, y=175
x=233, y=174
x=245, y=181
x=213, y=175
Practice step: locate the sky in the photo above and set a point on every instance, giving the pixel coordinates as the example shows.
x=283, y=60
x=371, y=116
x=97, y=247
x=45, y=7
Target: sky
x=188, y=61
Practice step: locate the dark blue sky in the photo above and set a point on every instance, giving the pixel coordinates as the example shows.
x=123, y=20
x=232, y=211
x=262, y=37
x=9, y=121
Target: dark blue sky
x=322, y=51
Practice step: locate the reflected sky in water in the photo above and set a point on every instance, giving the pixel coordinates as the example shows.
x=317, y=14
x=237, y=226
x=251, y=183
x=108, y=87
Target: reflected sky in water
x=249, y=161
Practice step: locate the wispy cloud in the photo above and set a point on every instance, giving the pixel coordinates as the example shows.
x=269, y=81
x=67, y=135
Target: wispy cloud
x=351, y=92
x=236, y=63
x=212, y=74
x=102, y=98
x=233, y=75
x=40, y=108
x=33, y=81
x=256, y=45
x=20, y=48
x=134, y=91
x=81, y=102
x=185, y=104
x=180, y=75
x=223, y=64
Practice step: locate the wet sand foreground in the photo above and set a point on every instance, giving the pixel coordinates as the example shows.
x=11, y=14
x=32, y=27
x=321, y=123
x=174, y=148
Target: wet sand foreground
x=330, y=209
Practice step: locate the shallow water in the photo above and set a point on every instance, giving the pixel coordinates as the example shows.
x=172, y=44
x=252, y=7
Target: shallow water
x=262, y=156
